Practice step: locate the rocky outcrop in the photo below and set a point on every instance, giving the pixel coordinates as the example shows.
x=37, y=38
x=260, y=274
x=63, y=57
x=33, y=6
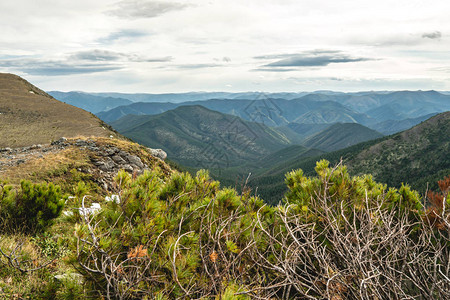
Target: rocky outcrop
x=106, y=159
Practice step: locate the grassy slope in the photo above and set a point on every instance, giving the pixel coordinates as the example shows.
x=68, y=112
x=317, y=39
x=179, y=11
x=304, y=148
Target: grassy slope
x=30, y=116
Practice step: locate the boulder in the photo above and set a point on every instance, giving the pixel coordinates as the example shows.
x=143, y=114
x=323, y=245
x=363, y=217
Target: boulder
x=158, y=153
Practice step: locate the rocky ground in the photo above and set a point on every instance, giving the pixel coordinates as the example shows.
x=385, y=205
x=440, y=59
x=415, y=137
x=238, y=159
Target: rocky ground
x=106, y=159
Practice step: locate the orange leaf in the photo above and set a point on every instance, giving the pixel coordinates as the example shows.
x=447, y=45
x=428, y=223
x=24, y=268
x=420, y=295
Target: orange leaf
x=138, y=252
x=213, y=256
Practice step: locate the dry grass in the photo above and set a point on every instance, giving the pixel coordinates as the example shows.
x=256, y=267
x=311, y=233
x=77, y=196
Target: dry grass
x=29, y=116
x=46, y=168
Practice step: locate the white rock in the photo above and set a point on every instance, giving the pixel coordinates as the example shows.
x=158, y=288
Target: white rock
x=113, y=198
x=68, y=213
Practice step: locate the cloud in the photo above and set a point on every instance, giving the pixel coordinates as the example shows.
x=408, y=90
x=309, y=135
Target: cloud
x=97, y=55
x=288, y=55
x=224, y=59
x=61, y=69
x=105, y=55
x=274, y=69
x=314, y=61
x=137, y=58
x=432, y=35
x=198, y=66
x=314, y=58
x=83, y=62
x=55, y=68
x=134, y=9
x=122, y=34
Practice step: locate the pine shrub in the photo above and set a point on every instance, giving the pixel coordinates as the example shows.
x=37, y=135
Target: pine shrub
x=31, y=208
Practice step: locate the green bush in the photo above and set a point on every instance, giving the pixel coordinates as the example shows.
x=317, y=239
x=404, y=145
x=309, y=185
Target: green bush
x=31, y=208
x=182, y=235
x=334, y=236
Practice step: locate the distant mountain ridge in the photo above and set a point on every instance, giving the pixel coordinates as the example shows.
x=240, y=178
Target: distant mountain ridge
x=394, y=126
x=271, y=112
x=88, y=102
x=383, y=111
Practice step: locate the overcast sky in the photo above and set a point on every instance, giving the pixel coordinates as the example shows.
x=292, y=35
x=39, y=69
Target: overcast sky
x=227, y=45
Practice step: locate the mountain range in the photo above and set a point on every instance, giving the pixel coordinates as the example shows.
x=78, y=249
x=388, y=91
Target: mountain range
x=88, y=102
x=116, y=209
x=385, y=112
x=380, y=106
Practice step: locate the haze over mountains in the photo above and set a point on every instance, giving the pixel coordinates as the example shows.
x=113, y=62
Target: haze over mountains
x=386, y=112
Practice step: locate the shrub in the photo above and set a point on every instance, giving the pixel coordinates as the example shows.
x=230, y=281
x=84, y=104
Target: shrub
x=30, y=209
x=334, y=237
x=179, y=237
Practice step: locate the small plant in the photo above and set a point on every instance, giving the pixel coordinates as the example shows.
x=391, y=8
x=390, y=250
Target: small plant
x=49, y=245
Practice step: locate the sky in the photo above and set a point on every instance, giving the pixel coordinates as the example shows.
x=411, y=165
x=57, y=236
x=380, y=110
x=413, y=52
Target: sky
x=146, y=46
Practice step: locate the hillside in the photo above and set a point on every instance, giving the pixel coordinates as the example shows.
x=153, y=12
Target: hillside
x=73, y=226
x=198, y=137
x=416, y=156
x=88, y=102
x=339, y=136
x=30, y=116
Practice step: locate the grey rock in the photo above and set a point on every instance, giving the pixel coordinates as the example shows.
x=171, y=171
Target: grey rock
x=98, y=163
x=158, y=153
x=71, y=277
x=111, y=151
x=93, y=148
x=123, y=154
x=81, y=143
x=34, y=147
x=134, y=160
x=60, y=141
x=118, y=159
x=127, y=168
x=108, y=165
